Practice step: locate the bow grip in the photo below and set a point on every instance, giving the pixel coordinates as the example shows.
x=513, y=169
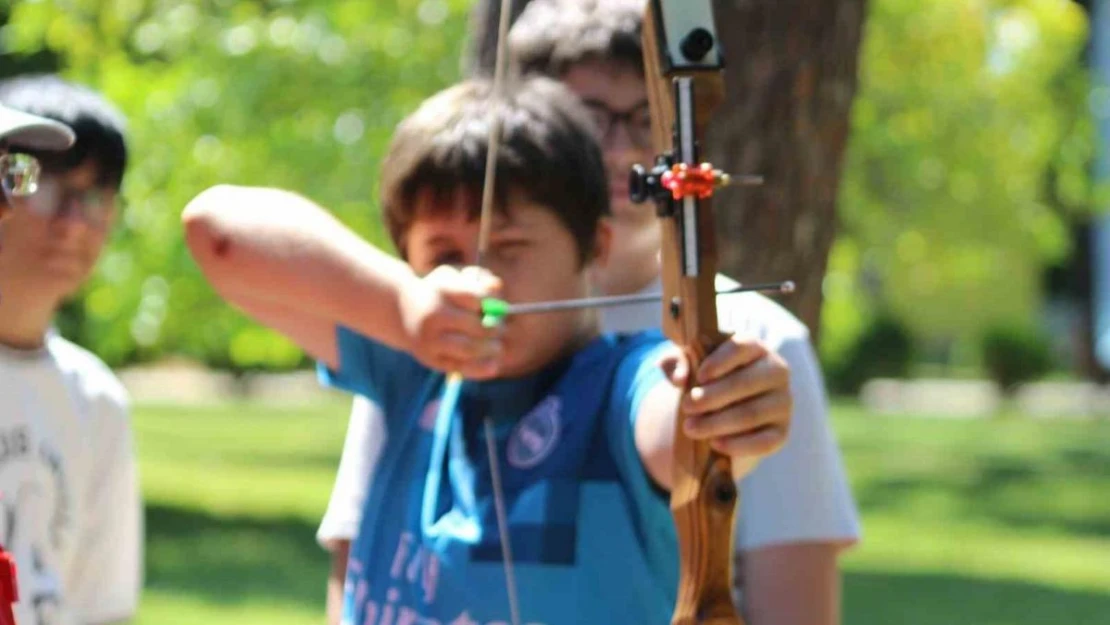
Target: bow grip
x=682, y=69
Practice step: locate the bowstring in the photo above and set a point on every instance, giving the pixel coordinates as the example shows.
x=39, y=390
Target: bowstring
x=484, y=224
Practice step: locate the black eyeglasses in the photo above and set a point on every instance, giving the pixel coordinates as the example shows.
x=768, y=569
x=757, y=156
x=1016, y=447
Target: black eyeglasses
x=636, y=121
x=53, y=198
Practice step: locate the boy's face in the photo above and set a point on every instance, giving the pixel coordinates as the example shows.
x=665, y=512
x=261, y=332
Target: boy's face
x=53, y=238
x=616, y=94
x=533, y=254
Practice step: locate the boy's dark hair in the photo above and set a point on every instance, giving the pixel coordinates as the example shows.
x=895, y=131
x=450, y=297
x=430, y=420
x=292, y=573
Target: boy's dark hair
x=547, y=152
x=552, y=35
x=98, y=125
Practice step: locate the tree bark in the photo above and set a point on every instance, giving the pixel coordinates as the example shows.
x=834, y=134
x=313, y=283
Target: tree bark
x=481, y=53
x=791, y=76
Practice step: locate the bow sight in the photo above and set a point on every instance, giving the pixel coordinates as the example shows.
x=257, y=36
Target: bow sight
x=667, y=182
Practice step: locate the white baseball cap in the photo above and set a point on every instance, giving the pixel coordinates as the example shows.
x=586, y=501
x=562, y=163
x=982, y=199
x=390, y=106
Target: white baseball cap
x=31, y=131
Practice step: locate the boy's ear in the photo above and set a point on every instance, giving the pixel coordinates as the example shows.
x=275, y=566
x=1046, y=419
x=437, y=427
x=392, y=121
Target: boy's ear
x=603, y=243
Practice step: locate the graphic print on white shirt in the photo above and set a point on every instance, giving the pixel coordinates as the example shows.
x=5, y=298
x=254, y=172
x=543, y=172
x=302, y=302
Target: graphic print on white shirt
x=70, y=510
x=35, y=523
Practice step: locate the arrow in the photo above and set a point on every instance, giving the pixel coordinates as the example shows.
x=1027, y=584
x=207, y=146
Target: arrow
x=495, y=310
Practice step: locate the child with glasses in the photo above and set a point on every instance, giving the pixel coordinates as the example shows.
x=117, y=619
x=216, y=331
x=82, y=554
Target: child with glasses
x=19, y=171
x=70, y=513
x=19, y=178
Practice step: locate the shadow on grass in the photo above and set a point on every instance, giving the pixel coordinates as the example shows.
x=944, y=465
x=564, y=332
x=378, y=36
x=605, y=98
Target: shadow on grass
x=227, y=560
x=326, y=460
x=880, y=598
x=1016, y=490
x=300, y=460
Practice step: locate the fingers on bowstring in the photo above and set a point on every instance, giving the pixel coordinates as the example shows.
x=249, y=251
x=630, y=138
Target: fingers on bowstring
x=465, y=288
x=475, y=284
x=466, y=322
x=463, y=291
x=482, y=280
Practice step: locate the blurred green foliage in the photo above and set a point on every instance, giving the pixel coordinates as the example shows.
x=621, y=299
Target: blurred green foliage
x=970, y=148
x=302, y=95
x=884, y=349
x=969, y=154
x=1014, y=354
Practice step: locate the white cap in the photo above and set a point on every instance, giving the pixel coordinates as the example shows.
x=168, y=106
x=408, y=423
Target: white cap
x=32, y=131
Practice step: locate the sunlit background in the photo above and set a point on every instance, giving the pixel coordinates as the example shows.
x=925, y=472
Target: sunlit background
x=958, y=326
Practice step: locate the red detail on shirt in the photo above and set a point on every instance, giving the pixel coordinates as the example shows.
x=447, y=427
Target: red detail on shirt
x=9, y=588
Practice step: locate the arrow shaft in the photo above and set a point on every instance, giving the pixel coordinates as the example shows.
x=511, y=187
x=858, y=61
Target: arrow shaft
x=621, y=300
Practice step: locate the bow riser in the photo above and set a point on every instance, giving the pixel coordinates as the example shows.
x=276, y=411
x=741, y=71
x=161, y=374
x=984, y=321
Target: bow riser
x=683, y=74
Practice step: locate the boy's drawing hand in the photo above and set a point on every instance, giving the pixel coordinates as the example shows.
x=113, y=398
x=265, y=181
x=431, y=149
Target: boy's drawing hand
x=443, y=319
x=740, y=400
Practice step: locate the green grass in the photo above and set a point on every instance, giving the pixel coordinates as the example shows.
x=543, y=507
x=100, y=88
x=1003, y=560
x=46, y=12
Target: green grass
x=985, y=522
x=1003, y=522
x=234, y=495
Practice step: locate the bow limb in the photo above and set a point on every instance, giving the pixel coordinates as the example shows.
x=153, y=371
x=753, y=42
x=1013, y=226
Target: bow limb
x=683, y=71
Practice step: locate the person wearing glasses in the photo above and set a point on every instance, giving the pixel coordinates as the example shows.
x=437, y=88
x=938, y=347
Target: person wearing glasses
x=70, y=514
x=19, y=171
x=19, y=178
x=797, y=513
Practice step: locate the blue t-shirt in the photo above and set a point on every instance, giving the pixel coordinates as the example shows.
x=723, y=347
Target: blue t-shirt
x=592, y=538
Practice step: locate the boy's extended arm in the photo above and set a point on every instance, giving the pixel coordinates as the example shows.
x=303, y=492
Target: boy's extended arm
x=293, y=266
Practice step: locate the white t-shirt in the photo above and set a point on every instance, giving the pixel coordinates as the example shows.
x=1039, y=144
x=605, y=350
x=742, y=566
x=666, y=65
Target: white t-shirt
x=70, y=511
x=799, y=494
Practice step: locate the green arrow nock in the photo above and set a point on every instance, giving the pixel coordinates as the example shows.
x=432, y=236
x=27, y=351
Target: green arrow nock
x=494, y=311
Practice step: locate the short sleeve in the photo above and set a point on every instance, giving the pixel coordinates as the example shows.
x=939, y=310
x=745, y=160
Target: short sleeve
x=800, y=493
x=371, y=369
x=638, y=373
x=108, y=566
x=362, y=449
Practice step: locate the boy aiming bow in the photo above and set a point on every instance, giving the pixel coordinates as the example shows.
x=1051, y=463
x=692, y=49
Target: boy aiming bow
x=798, y=514
x=582, y=423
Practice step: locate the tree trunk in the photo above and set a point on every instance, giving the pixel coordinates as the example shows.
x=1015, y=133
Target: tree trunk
x=481, y=53
x=791, y=76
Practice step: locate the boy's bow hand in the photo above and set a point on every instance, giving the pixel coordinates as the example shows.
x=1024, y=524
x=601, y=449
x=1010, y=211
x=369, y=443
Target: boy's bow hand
x=740, y=398
x=442, y=315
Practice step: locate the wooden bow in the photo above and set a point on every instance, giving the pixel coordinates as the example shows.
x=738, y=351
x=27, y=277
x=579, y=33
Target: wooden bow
x=683, y=69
